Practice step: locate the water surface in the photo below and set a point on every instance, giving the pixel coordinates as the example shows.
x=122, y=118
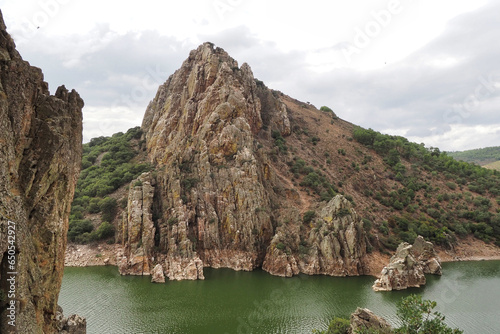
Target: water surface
x=468, y=294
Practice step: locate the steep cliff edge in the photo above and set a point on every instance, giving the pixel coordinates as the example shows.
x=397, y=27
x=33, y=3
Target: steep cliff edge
x=41, y=140
x=213, y=133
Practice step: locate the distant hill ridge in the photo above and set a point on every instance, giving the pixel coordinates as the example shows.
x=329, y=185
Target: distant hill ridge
x=488, y=157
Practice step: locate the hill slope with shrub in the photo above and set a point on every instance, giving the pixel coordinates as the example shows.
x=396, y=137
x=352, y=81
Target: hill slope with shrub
x=108, y=166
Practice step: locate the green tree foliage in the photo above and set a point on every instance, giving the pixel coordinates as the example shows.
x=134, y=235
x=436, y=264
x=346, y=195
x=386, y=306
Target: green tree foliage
x=437, y=222
x=416, y=316
x=108, y=207
x=107, y=164
x=336, y=326
x=479, y=156
x=326, y=109
x=308, y=216
x=78, y=227
x=104, y=231
x=279, y=141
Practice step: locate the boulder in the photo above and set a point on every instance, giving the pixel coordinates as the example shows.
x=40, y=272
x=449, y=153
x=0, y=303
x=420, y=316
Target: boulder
x=157, y=275
x=365, y=320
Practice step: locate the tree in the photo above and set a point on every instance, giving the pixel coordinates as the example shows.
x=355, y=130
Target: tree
x=336, y=326
x=417, y=317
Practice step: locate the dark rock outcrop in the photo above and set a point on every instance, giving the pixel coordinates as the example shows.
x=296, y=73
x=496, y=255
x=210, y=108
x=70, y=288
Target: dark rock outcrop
x=40, y=156
x=74, y=324
x=217, y=198
x=364, y=320
x=407, y=267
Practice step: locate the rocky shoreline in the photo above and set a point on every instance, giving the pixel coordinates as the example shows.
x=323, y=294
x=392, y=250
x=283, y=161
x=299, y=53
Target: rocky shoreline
x=91, y=255
x=470, y=249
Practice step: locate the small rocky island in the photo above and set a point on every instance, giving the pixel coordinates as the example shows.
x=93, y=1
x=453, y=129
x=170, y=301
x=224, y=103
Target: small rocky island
x=407, y=268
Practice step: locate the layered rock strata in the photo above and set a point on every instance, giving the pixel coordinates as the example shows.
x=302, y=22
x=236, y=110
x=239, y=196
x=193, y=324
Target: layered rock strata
x=40, y=156
x=408, y=266
x=138, y=230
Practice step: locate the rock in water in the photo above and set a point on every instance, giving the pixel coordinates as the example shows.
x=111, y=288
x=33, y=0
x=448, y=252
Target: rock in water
x=40, y=157
x=408, y=266
x=157, y=275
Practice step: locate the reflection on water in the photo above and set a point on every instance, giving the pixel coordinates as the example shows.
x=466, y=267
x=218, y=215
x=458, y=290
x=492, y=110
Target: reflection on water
x=255, y=302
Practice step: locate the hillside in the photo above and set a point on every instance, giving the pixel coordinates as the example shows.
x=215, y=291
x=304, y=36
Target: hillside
x=494, y=165
x=480, y=156
x=243, y=176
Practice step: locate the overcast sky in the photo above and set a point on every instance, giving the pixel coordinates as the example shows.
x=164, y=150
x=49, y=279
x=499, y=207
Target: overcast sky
x=427, y=70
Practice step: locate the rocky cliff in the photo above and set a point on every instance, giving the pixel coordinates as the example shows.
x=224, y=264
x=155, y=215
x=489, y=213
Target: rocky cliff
x=407, y=268
x=219, y=198
x=40, y=153
x=335, y=245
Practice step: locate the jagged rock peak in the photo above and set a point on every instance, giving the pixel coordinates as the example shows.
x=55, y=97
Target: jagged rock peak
x=207, y=93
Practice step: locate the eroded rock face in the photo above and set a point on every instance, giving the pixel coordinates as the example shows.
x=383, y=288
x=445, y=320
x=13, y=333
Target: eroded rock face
x=365, y=320
x=215, y=199
x=40, y=156
x=138, y=228
x=200, y=133
x=408, y=266
x=336, y=245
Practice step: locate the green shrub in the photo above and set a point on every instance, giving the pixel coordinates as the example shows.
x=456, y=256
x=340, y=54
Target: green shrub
x=280, y=246
x=172, y=221
x=326, y=109
x=79, y=227
x=308, y=216
x=108, y=207
x=104, y=231
x=337, y=326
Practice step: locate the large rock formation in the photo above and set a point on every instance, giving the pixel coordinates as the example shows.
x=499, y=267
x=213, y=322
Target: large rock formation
x=40, y=153
x=407, y=267
x=335, y=246
x=216, y=198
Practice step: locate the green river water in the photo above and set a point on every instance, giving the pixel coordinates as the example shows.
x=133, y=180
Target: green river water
x=468, y=294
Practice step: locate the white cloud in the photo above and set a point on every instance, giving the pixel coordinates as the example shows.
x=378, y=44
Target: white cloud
x=417, y=71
